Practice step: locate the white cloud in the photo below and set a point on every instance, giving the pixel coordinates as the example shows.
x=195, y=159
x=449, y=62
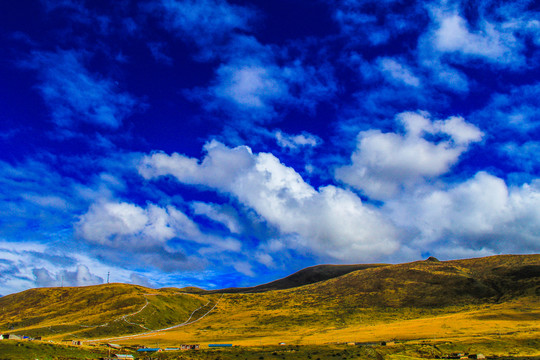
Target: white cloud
x=124, y=225
x=265, y=259
x=217, y=169
x=329, y=222
x=46, y=201
x=253, y=80
x=443, y=74
x=492, y=41
x=373, y=22
x=482, y=214
x=383, y=163
x=496, y=36
x=112, y=224
x=453, y=35
x=461, y=132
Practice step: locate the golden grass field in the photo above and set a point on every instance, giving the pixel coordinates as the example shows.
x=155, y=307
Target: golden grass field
x=516, y=323
x=488, y=305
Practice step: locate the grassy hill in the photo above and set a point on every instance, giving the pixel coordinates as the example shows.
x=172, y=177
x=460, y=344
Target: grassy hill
x=484, y=301
x=424, y=297
x=434, y=284
x=94, y=311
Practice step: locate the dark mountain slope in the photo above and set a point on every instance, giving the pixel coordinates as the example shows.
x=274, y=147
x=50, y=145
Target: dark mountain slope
x=305, y=276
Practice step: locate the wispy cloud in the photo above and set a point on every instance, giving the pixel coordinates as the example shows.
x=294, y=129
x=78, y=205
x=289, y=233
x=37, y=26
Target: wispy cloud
x=396, y=72
x=524, y=156
x=254, y=82
x=207, y=23
x=370, y=21
x=296, y=142
x=514, y=110
x=75, y=95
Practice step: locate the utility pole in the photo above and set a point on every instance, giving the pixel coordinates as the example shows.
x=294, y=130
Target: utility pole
x=108, y=274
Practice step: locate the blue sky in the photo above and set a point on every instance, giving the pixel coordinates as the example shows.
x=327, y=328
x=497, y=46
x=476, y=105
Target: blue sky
x=219, y=143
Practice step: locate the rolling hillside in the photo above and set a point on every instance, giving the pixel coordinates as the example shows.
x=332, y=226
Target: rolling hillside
x=454, y=299
x=94, y=311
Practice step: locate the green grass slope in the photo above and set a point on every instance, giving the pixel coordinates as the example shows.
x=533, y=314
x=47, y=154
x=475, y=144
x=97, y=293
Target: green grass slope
x=94, y=311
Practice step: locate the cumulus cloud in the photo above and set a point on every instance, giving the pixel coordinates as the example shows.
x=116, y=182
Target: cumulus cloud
x=330, y=222
x=108, y=222
x=128, y=226
x=384, y=163
x=244, y=268
x=497, y=34
x=480, y=214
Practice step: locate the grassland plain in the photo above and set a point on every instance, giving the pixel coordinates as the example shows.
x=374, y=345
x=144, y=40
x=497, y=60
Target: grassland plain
x=489, y=305
x=13, y=350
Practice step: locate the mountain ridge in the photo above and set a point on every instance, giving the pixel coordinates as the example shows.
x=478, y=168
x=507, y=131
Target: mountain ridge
x=331, y=296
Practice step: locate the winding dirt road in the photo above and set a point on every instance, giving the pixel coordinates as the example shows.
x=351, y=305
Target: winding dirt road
x=150, y=332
